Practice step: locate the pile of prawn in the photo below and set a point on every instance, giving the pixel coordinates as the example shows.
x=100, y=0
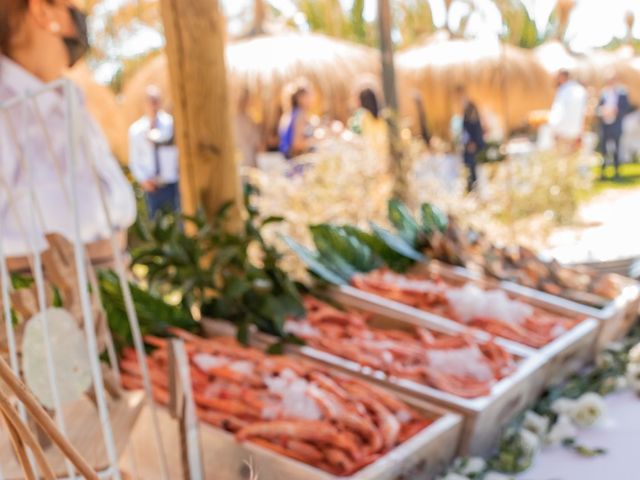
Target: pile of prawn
x=297, y=409
x=527, y=324
x=458, y=364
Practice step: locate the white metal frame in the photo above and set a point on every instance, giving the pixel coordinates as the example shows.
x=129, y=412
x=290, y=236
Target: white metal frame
x=80, y=148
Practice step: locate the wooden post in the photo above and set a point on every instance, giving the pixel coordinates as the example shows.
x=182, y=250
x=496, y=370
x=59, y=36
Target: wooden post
x=194, y=30
x=391, y=99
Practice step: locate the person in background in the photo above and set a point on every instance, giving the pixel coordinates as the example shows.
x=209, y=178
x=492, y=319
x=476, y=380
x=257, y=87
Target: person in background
x=612, y=108
x=418, y=101
x=568, y=111
x=367, y=121
x=248, y=136
x=39, y=41
x=472, y=135
x=153, y=156
x=295, y=131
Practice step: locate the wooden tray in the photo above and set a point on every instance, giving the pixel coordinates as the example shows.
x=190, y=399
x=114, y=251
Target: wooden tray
x=85, y=433
x=423, y=456
x=484, y=416
x=616, y=319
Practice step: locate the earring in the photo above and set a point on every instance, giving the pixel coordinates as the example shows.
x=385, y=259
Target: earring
x=55, y=27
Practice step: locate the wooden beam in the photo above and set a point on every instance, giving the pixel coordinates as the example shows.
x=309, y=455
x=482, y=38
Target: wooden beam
x=195, y=33
x=396, y=164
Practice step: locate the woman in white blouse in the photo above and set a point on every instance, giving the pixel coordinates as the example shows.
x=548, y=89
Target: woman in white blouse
x=39, y=41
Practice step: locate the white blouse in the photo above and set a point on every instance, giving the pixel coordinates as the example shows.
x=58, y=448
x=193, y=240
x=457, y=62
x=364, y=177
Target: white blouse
x=53, y=213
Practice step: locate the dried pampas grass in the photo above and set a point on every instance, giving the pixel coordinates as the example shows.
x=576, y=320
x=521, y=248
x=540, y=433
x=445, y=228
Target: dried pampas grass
x=345, y=182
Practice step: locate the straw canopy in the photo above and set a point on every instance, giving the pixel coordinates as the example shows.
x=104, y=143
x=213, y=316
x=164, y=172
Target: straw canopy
x=505, y=80
x=629, y=74
x=264, y=65
x=105, y=109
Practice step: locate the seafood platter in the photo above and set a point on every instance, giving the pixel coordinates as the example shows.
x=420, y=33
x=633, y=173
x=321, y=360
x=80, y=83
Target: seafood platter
x=610, y=298
x=298, y=419
x=471, y=374
x=565, y=340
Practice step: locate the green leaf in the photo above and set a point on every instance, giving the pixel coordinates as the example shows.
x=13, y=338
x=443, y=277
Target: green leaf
x=276, y=349
x=397, y=244
x=21, y=281
x=402, y=219
x=334, y=241
x=392, y=259
x=243, y=333
x=314, y=264
x=154, y=314
x=236, y=287
x=433, y=219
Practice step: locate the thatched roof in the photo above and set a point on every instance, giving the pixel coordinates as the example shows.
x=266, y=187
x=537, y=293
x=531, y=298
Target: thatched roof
x=265, y=64
x=103, y=106
x=504, y=79
x=629, y=73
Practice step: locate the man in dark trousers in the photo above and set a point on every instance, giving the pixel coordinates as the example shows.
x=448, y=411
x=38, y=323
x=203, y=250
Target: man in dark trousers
x=612, y=108
x=153, y=156
x=472, y=135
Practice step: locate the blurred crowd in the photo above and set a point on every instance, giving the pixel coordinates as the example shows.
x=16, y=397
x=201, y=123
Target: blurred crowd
x=575, y=112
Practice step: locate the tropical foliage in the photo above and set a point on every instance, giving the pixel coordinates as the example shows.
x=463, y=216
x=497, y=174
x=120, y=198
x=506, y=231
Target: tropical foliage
x=219, y=272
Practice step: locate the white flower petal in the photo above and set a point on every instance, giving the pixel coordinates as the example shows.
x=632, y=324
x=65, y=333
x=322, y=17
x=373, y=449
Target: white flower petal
x=454, y=476
x=535, y=423
x=562, y=430
x=530, y=442
x=472, y=466
x=634, y=354
x=588, y=409
x=562, y=406
x=497, y=476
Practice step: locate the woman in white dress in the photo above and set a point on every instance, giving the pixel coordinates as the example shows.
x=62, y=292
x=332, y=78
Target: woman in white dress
x=39, y=41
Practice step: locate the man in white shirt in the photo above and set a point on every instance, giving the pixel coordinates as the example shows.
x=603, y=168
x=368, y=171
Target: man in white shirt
x=153, y=156
x=568, y=112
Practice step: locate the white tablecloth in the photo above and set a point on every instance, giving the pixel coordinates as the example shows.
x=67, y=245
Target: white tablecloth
x=618, y=432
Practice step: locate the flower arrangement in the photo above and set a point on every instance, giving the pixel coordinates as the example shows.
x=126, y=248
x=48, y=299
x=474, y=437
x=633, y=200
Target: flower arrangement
x=559, y=415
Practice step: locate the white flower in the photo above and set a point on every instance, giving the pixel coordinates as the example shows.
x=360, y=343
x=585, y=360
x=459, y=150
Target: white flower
x=634, y=354
x=617, y=346
x=605, y=360
x=454, y=476
x=622, y=383
x=633, y=376
x=563, y=406
x=530, y=442
x=563, y=429
x=588, y=409
x=497, y=476
x=472, y=466
x=535, y=423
